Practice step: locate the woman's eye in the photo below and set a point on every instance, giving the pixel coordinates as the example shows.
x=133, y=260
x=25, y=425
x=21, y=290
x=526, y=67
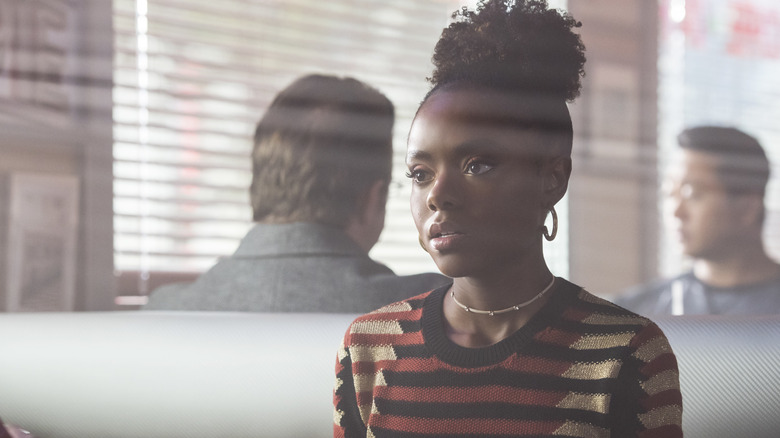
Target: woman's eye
x=418, y=175
x=477, y=168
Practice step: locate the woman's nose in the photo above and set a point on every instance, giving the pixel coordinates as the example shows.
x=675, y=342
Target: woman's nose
x=444, y=192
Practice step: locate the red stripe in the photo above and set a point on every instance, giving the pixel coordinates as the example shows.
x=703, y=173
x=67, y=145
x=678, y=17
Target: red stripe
x=537, y=365
x=364, y=398
x=364, y=367
x=669, y=431
x=664, y=362
x=576, y=314
x=558, y=337
x=411, y=365
x=432, y=364
x=670, y=397
x=648, y=333
x=336, y=399
x=475, y=426
x=492, y=393
x=413, y=338
x=401, y=365
x=518, y=364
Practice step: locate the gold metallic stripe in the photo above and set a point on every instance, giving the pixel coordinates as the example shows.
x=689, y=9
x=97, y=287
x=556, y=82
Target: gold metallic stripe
x=662, y=416
x=590, y=298
x=363, y=382
x=599, y=319
x=341, y=352
x=337, y=416
x=652, y=349
x=391, y=327
x=590, y=371
x=367, y=382
x=660, y=382
x=380, y=379
x=597, y=342
x=572, y=428
x=395, y=307
x=372, y=353
x=365, y=412
x=590, y=402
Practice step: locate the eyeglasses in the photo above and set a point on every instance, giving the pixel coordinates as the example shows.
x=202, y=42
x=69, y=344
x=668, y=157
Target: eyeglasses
x=687, y=191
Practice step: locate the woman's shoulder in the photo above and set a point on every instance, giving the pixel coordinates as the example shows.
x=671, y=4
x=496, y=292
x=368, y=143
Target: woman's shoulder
x=411, y=304
x=604, y=318
x=596, y=315
x=603, y=310
x=391, y=320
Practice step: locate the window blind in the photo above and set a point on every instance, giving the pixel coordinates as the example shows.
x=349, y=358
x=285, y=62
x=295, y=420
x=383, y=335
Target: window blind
x=192, y=78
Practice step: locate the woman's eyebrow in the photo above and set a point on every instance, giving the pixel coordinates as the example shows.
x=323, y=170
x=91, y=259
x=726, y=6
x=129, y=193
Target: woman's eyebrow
x=470, y=147
x=416, y=154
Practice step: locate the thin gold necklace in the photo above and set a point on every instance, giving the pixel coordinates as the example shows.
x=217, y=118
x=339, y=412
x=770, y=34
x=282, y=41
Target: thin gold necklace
x=508, y=309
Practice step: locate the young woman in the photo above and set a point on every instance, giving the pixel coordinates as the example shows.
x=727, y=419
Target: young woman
x=507, y=349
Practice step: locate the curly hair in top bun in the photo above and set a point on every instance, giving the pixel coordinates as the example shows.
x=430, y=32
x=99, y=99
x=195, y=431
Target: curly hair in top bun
x=523, y=54
x=512, y=45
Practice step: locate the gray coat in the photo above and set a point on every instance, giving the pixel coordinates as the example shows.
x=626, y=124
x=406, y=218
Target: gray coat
x=297, y=267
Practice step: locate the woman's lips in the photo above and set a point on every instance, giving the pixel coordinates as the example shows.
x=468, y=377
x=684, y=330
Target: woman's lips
x=446, y=241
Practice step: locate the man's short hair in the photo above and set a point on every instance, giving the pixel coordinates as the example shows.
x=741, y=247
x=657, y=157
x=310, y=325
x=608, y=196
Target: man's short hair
x=743, y=167
x=323, y=141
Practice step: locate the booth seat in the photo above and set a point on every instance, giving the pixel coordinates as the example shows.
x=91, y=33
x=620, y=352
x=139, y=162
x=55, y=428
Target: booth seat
x=208, y=374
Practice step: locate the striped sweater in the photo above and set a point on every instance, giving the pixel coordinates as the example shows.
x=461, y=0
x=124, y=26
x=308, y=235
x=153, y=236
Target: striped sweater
x=581, y=367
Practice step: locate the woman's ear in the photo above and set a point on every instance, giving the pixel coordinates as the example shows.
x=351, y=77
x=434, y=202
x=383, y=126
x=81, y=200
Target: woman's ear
x=556, y=179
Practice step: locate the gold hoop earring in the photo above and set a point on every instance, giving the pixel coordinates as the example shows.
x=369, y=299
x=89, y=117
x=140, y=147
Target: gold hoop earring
x=546, y=234
x=422, y=245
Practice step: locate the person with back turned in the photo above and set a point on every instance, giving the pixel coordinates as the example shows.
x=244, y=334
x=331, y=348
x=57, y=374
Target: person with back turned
x=321, y=169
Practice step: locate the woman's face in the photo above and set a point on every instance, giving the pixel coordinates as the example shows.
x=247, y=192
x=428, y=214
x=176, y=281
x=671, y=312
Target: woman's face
x=477, y=192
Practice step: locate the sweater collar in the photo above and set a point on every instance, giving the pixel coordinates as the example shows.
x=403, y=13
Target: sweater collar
x=437, y=342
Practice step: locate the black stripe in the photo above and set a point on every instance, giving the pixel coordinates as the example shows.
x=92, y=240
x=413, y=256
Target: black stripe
x=537, y=350
x=387, y=433
x=410, y=326
x=487, y=411
x=417, y=303
x=603, y=309
x=351, y=421
x=496, y=377
x=417, y=351
x=565, y=354
x=624, y=405
x=583, y=328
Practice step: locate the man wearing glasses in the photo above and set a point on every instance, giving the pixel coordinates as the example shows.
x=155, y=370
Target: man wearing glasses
x=718, y=195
